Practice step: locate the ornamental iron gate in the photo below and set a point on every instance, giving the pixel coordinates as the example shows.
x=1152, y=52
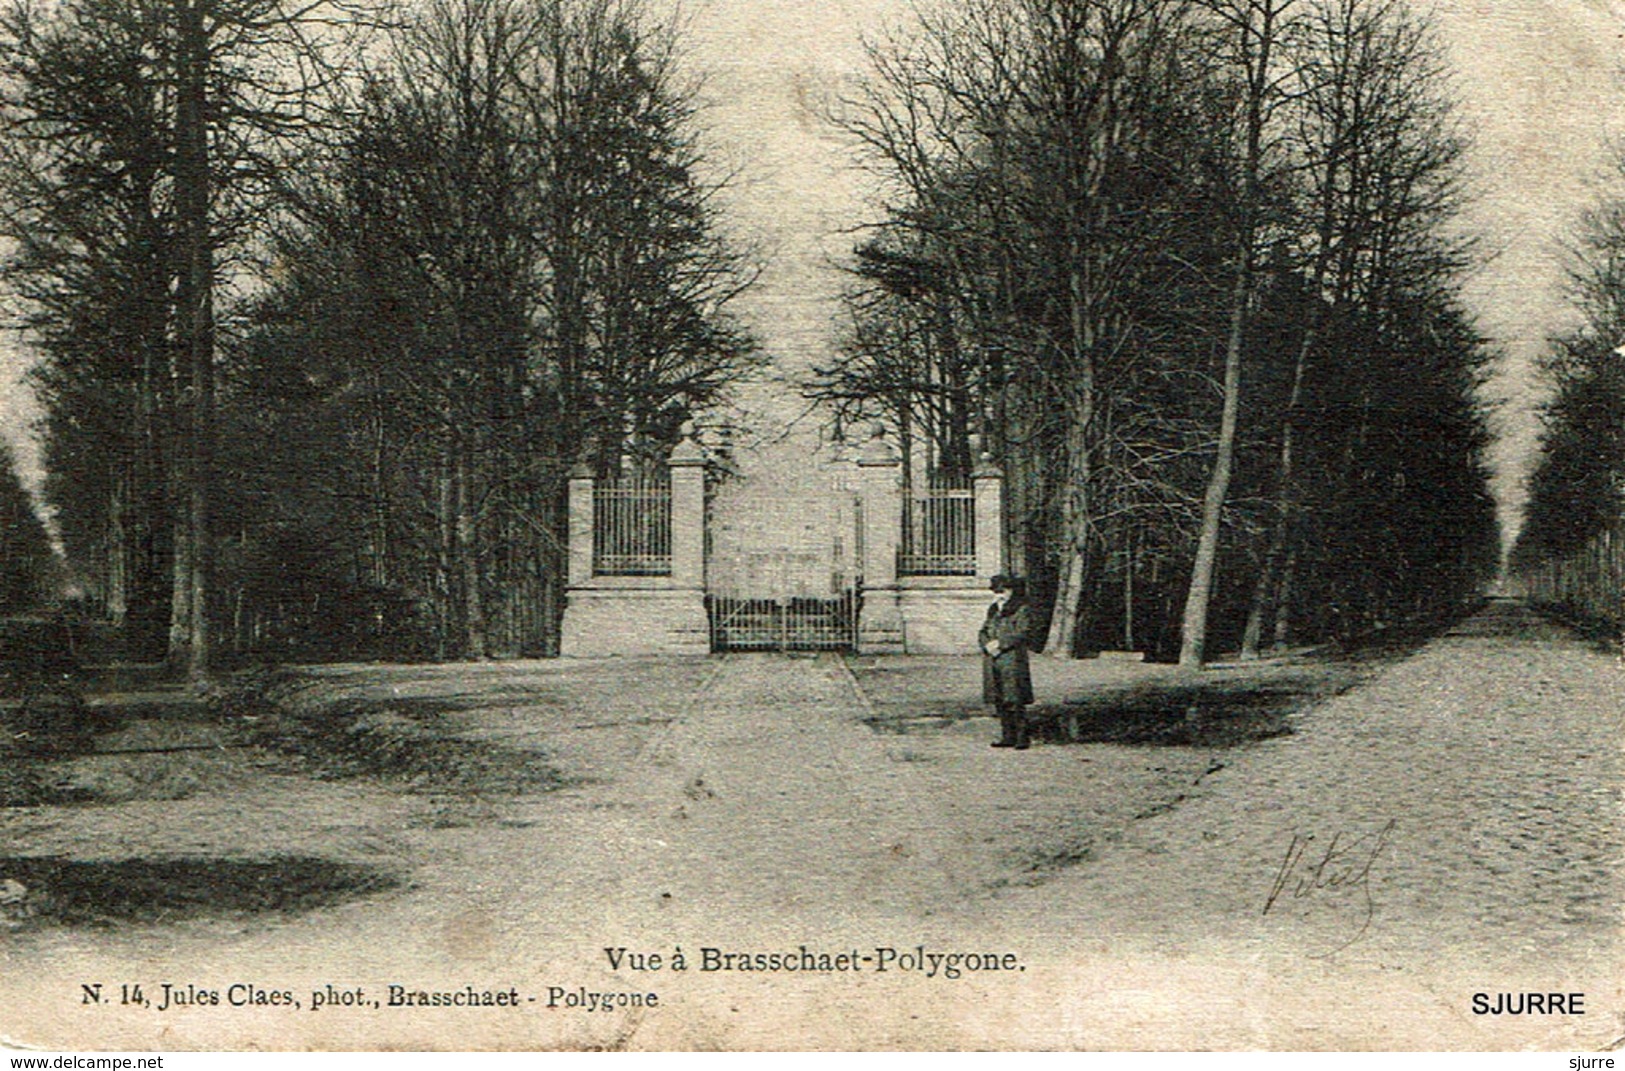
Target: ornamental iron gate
x=833, y=557
x=784, y=622
x=783, y=575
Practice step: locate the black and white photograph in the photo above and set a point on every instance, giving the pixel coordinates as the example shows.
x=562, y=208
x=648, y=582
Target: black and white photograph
x=855, y=525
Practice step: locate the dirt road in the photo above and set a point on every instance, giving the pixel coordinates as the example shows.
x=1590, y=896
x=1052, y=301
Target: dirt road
x=1451, y=828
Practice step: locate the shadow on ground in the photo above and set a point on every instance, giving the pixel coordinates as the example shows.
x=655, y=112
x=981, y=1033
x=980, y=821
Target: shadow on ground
x=1204, y=716
x=1196, y=716
x=401, y=739
x=1221, y=707
x=77, y=892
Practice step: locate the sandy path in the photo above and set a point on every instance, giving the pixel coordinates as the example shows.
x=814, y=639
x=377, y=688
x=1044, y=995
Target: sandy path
x=1484, y=775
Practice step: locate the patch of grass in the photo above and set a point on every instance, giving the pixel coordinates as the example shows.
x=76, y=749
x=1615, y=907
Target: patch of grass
x=1217, y=715
x=47, y=723
x=155, y=759
x=141, y=760
x=35, y=730
x=178, y=776
x=80, y=892
x=24, y=783
x=20, y=782
x=354, y=738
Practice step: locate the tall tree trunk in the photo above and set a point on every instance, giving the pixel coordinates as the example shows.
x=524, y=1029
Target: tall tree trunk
x=117, y=594
x=468, y=554
x=1283, y=599
x=1265, y=596
x=1069, y=600
x=445, y=555
x=1071, y=581
x=1256, y=44
x=553, y=563
x=189, y=628
x=179, y=655
x=1130, y=556
x=378, y=493
x=1193, y=634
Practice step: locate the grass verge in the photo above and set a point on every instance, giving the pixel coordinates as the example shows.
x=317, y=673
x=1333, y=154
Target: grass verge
x=401, y=740
x=81, y=892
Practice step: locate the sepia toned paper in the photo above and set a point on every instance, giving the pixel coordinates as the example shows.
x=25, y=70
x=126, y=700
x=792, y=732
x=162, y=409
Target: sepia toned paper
x=836, y=876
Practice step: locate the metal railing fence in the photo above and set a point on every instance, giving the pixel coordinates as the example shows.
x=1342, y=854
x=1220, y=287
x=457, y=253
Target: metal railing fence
x=1589, y=583
x=631, y=531
x=939, y=533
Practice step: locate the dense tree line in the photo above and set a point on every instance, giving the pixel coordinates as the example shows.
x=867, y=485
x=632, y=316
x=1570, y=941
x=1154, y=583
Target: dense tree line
x=1188, y=270
x=394, y=288
x=143, y=141
x=1577, y=489
x=28, y=573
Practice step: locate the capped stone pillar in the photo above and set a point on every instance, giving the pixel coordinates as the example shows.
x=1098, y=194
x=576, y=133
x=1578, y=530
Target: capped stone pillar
x=687, y=465
x=640, y=613
x=880, y=619
x=941, y=614
x=988, y=483
x=580, y=526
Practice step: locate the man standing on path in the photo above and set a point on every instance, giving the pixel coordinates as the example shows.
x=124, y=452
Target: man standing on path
x=1007, y=681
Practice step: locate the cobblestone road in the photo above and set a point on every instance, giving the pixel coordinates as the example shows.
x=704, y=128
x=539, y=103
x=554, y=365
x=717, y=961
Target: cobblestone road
x=1477, y=786
x=1454, y=826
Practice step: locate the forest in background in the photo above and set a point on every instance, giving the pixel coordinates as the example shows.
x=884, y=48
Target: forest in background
x=1570, y=552
x=329, y=301
x=1191, y=271
x=325, y=318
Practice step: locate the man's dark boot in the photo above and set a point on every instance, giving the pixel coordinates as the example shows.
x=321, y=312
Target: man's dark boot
x=1018, y=718
x=1007, y=729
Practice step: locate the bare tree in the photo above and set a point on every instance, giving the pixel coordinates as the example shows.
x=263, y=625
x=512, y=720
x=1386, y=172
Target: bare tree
x=1248, y=37
x=166, y=117
x=517, y=245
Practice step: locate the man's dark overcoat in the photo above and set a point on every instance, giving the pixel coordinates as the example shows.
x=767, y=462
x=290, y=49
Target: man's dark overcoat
x=1006, y=678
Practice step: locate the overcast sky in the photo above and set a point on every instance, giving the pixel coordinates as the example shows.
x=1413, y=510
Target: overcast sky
x=1539, y=79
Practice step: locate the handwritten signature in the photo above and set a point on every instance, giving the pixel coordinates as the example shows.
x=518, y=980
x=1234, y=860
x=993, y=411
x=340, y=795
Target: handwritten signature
x=1344, y=864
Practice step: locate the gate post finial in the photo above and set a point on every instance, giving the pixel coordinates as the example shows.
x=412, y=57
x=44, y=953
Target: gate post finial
x=877, y=451
x=687, y=465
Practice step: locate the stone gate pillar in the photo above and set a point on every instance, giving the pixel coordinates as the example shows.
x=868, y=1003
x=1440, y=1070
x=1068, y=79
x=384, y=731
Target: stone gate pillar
x=687, y=466
x=941, y=614
x=580, y=526
x=610, y=614
x=880, y=619
x=988, y=483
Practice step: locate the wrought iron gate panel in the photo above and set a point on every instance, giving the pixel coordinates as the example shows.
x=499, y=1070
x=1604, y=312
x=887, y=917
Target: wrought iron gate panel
x=790, y=623
x=782, y=574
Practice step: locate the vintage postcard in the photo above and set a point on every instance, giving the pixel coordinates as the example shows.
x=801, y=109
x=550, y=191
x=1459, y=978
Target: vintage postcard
x=959, y=525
